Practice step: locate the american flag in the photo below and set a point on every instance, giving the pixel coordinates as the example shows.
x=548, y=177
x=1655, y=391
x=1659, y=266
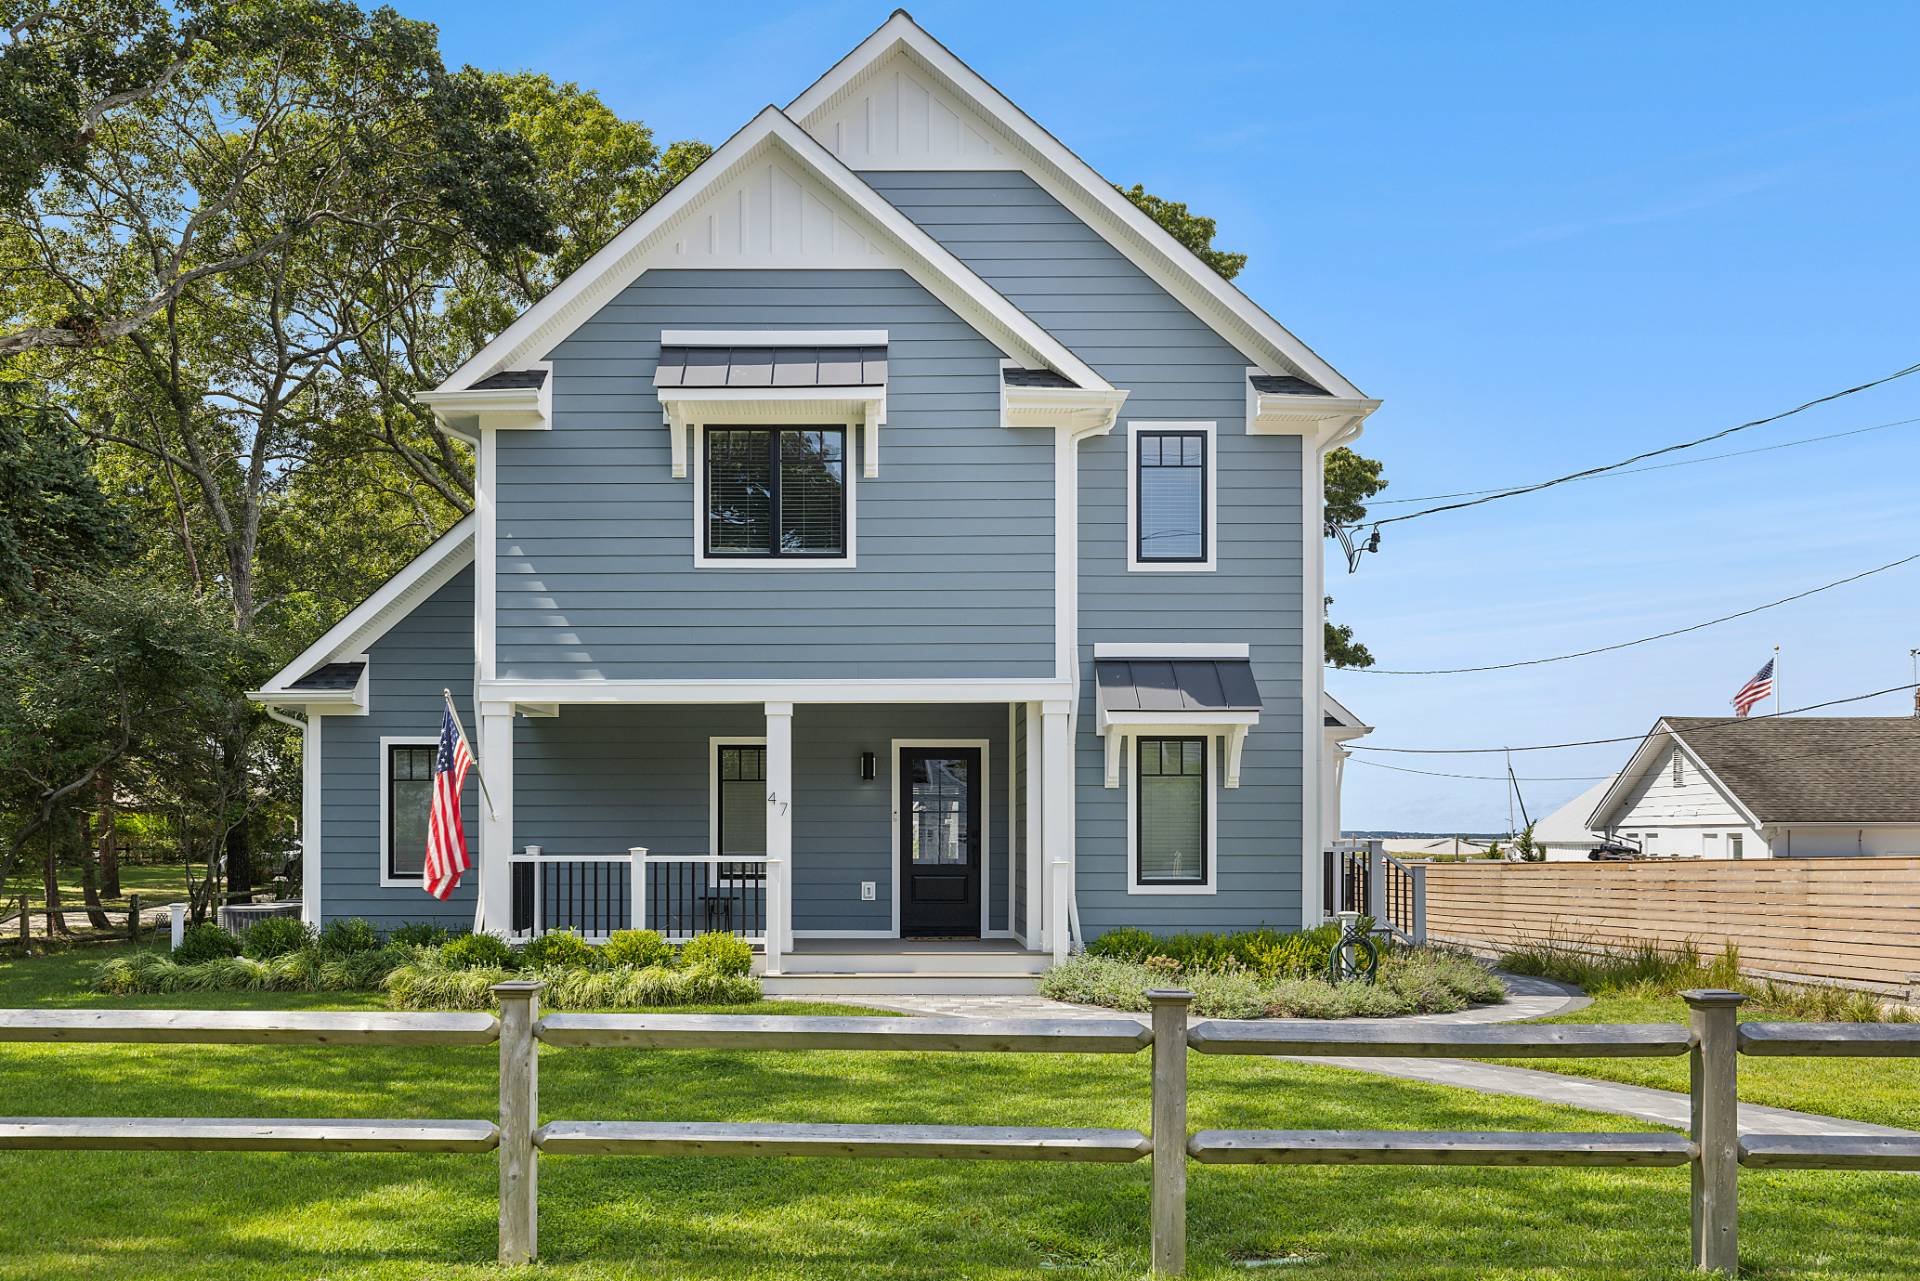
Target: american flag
x=1754, y=690
x=446, y=840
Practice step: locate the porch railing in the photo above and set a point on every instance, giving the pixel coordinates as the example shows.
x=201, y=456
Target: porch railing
x=678, y=895
x=1360, y=876
x=590, y=894
x=684, y=895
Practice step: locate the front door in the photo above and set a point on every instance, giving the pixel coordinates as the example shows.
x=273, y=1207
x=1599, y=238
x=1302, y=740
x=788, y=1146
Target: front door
x=940, y=841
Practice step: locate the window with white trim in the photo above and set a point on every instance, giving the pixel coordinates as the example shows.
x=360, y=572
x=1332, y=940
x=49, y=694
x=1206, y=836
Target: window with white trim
x=1736, y=845
x=740, y=809
x=775, y=493
x=1171, y=517
x=409, y=802
x=1170, y=811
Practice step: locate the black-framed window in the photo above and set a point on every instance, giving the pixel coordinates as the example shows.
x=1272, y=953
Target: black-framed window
x=740, y=814
x=1170, y=496
x=776, y=492
x=409, y=804
x=1171, y=811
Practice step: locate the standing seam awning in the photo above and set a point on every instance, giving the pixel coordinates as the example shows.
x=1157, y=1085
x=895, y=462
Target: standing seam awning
x=771, y=367
x=1138, y=695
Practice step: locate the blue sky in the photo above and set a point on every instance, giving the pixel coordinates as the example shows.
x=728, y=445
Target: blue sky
x=1548, y=236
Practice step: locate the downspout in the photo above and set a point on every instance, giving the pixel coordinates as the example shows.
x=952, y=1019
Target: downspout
x=1074, y=438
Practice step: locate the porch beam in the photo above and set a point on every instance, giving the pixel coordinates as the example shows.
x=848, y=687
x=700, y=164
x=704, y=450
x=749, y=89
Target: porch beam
x=779, y=830
x=738, y=692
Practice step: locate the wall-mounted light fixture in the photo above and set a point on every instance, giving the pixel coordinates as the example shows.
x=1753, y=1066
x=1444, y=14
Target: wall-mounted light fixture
x=866, y=767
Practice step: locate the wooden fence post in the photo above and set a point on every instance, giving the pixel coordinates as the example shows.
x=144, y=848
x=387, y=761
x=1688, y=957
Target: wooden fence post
x=519, y=1114
x=1169, y=1199
x=1714, y=1069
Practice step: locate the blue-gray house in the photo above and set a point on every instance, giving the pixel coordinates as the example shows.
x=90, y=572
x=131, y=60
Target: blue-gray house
x=892, y=535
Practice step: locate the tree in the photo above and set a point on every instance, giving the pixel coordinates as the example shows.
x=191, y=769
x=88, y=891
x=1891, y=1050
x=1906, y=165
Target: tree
x=1351, y=478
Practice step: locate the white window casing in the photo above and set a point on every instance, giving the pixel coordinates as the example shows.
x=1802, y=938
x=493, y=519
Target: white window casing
x=387, y=743
x=1209, y=506
x=1211, y=884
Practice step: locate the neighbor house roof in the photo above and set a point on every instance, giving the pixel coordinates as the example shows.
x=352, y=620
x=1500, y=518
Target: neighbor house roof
x=1795, y=769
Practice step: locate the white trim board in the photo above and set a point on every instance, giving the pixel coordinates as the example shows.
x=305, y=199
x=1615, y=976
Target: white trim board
x=1076, y=185
x=1171, y=649
x=773, y=337
x=771, y=136
x=989, y=689
x=985, y=746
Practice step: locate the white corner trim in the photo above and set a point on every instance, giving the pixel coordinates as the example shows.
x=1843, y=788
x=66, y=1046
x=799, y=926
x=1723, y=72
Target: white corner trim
x=1171, y=649
x=1074, y=183
x=542, y=326
x=1212, y=884
x=312, y=846
x=773, y=337
x=388, y=742
x=1209, y=517
x=373, y=617
x=985, y=747
x=703, y=561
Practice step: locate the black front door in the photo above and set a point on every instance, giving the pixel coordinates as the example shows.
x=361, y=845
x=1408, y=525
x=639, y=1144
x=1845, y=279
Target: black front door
x=940, y=841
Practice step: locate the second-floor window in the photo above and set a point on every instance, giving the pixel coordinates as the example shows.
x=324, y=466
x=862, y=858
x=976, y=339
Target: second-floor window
x=1169, y=506
x=776, y=493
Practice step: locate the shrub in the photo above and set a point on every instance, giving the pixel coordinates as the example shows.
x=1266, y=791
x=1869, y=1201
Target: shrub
x=348, y=934
x=476, y=952
x=559, y=950
x=720, y=953
x=420, y=934
x=637, y=948
x=275, y=936
x=424, y=986
x=1268, y=953
x=205, y=942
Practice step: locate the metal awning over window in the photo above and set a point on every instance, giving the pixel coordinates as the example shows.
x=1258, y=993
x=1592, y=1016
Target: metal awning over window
x=772, y=367
x=747, y=384
x=1172, y=696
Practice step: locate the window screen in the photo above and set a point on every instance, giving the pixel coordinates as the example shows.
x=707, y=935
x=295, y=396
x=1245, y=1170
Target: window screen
x=1172, y=499
x=1172, y=811
x=409, y=802
x=776, y=491
x=742, y=809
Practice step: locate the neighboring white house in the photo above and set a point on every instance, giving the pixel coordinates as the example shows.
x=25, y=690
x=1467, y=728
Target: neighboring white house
x=1768, y=787
x=1338, y=726
x=1565, y=832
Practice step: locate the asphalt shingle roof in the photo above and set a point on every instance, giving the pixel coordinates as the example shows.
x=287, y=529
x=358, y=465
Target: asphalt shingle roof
x=1813, y=769
x=512, y=379
x=1035, y=378
x=1275, y=383
x=331, y=676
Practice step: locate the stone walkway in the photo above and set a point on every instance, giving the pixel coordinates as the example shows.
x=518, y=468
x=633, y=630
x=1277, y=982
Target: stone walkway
x=1529, y=998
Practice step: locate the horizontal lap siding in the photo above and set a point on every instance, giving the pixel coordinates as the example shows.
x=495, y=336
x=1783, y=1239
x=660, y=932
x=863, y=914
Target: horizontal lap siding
x=1839, y=920
x=1088, y=295
x=954, y=538
x=599, y=780
x=429, y=650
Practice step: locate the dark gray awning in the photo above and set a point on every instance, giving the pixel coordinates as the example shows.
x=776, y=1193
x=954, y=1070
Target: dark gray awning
x=1176, y=685
x=331, y=676
x=771, y=367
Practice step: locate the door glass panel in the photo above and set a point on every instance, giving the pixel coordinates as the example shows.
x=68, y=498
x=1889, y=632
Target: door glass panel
x=937, y=798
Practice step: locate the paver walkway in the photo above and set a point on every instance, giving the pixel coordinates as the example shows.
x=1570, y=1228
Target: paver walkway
x=1528, y=998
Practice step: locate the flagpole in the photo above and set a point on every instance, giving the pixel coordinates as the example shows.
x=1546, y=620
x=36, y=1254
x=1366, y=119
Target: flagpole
x=1776, y=680
x=478, y=771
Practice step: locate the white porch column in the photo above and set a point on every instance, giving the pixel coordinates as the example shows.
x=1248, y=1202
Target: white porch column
x=1035, y=837
x=1056, y=791
x=779, y=832
x=496, y=821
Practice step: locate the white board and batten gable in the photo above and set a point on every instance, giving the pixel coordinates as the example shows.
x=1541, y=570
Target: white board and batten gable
x=772, y=214
x=897, y=116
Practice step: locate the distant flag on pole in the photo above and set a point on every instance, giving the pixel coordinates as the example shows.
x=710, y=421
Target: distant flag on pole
x=1761, y=686
x=446, y=840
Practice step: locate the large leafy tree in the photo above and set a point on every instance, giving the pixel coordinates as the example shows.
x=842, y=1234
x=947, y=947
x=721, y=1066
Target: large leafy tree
x=1350, y=478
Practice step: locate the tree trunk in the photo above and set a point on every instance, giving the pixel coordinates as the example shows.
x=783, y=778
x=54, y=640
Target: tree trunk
x=239, y=842
x=90, y=888
x=109, y=840
x=56, y=922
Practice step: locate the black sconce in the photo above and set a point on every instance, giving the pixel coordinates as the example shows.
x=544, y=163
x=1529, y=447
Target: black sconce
x=866, y=767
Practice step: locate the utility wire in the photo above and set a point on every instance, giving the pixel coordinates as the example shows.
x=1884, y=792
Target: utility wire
x=1629, y=644
x=1684, y=462
x=1624, y=738
x=1490, y=778
x=1651, y=453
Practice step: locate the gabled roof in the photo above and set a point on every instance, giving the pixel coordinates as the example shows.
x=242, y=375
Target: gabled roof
x=574, y=300
x=1237, y=318
x=1792, y=769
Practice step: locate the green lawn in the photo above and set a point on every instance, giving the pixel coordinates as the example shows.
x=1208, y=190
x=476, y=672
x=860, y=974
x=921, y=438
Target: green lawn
x=113, y=1215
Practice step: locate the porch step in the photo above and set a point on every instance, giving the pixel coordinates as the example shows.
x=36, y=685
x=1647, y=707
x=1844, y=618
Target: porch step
x=811, y=958
x=868, y=982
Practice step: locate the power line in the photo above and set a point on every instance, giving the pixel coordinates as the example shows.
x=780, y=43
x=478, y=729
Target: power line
x=1684, y=462
x=1490, y=778
x=1651, y=453
x=1624, y=738
x=1629, y=644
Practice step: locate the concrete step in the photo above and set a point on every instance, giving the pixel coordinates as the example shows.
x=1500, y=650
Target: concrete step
x=871, y=983
x=965, y=961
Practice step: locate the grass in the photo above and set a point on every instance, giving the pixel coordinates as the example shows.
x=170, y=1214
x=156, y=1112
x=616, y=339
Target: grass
x=104, y=1216
x=155, y=883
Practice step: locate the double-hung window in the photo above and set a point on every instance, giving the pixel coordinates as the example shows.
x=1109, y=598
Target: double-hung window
x=1170, y=500
x=409, y=800
x=775, y=493
x=1170, y=812
x=740, y=810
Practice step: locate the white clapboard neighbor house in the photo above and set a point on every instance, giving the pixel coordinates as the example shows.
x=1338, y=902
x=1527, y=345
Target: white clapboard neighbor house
x=893, y=548
x=1768, y=787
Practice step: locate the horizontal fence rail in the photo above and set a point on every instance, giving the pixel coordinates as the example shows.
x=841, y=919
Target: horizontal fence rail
x=1713, y=1149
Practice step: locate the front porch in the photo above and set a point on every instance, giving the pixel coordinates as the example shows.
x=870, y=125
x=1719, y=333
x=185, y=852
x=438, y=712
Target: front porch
x=859, y=847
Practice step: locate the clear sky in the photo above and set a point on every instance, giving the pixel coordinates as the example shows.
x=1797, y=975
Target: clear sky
x=1547, y=236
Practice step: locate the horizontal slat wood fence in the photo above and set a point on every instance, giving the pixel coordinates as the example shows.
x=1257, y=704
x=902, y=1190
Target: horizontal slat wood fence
x=1713, y=1149
x=1846, y=921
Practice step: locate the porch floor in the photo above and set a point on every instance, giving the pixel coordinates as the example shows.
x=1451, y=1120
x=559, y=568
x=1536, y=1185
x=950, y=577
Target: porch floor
x=907, y=946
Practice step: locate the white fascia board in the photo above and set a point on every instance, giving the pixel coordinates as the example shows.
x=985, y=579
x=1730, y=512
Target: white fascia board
x=315, y=701
x=1273, y=413
x=1197, y=722
x=1089, y=411
x=507, y=408
x=668, y=692
x=773, y=337
x=575, y=299
x=373, y=617
x=1069, y=178
x=1643, y=759
x=1713, y=778
x=1171, y=649
x=1331, y=706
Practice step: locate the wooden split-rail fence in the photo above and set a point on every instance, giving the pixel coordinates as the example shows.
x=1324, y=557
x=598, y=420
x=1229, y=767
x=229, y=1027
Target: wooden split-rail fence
x=1713, y=1150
